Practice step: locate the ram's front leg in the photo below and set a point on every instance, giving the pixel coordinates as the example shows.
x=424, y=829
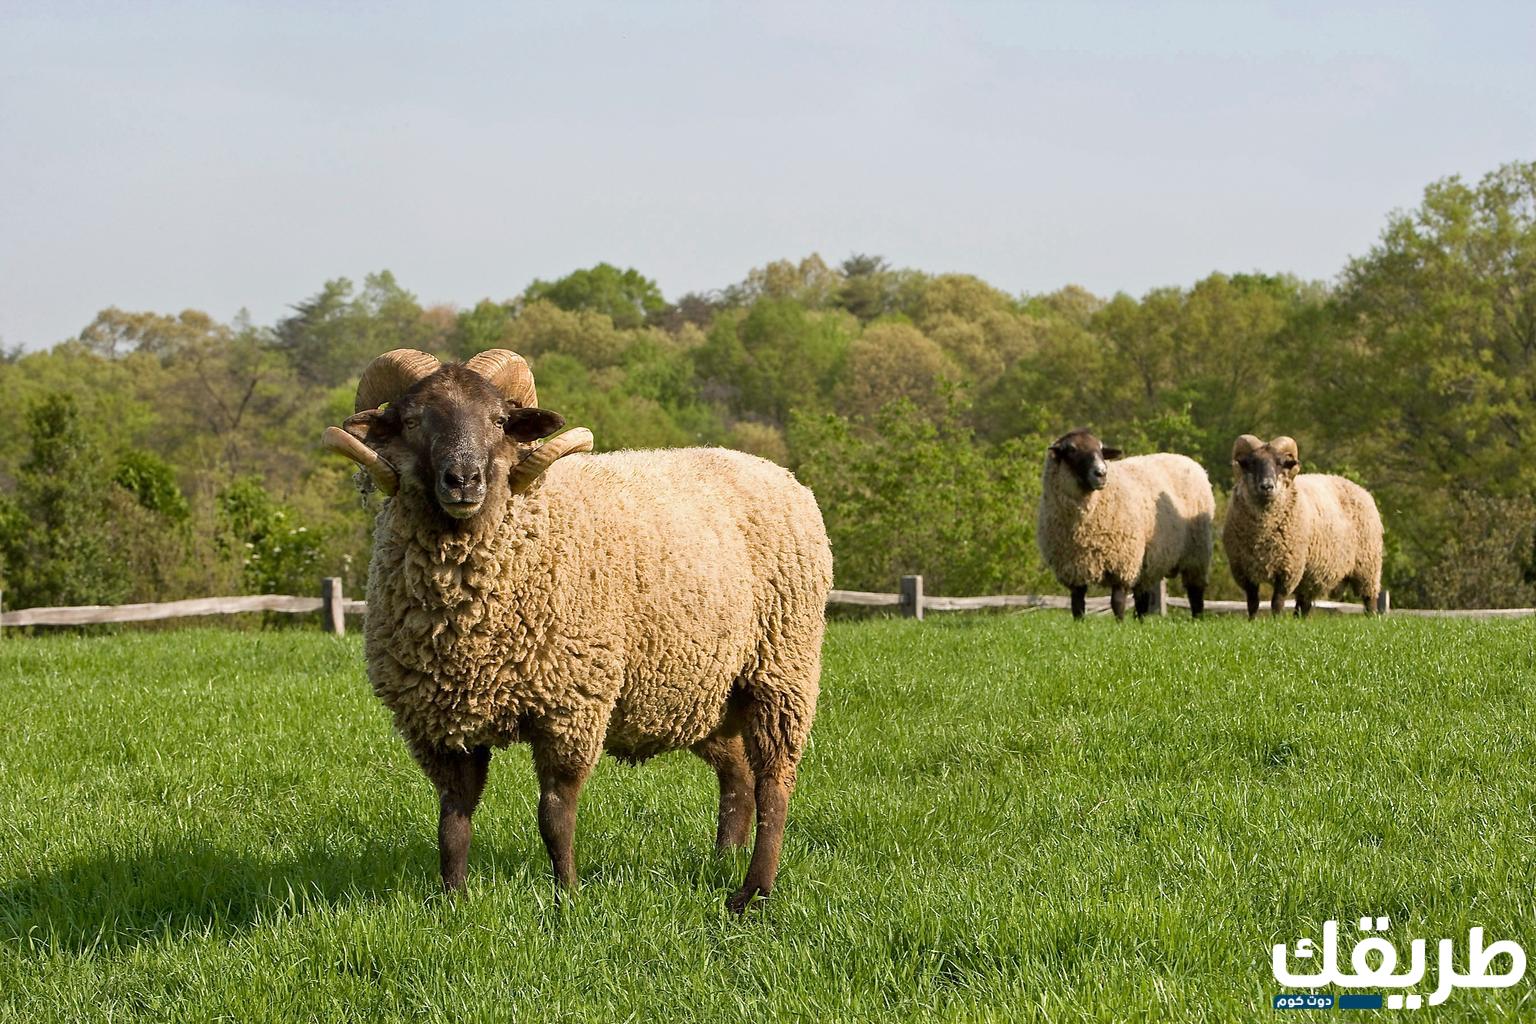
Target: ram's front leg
x=460, y=780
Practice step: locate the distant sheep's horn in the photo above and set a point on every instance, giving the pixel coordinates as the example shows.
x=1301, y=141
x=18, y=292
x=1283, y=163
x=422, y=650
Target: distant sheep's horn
x=510, y=374
x=1245, y=445
x=578, y=439
x=391, y=375
x=343, y=443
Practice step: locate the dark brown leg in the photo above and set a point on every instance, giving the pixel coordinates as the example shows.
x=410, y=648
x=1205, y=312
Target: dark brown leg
x=1143, y=600
x=460, y=779
x=1079, y=602
x=772, y=809
x=775, y=735
x=559, y=793
x=1303, y=606
x=1196, y=599
x=1277, y=600
x=1117, y=601
x=727, y=755
x=1251, y=591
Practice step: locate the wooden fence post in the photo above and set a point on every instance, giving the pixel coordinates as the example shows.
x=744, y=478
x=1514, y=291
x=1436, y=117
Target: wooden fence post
x=1383, y=602
x=912, y=597
x=332, y=617
x=1158, y=605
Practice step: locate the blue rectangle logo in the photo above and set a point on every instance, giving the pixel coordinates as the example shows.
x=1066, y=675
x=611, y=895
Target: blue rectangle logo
x=1360, y=1001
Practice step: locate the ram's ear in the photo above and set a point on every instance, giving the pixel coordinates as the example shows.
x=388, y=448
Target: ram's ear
x=1111, y=454
x=373, y=425
x=531, y=424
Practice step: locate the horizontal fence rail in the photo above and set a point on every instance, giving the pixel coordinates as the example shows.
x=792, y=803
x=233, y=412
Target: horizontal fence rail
x=910, y=601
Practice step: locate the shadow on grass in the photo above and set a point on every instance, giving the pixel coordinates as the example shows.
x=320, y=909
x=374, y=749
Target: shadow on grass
x=140, y=896
x=122, y=899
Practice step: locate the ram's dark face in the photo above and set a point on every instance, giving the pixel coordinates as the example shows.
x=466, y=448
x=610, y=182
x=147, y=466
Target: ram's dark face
x=454, y=437
x=1085, y=458
x=1265, y=471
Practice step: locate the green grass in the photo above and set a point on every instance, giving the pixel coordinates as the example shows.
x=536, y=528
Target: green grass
x=1000, y=818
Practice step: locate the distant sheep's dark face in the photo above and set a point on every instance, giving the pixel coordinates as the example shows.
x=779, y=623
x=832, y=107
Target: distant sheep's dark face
x=1082, y=456
x=454, y=437
x=1265, y=473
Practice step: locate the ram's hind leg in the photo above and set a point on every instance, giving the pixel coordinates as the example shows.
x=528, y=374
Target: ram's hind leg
x=726, y=753
x=460, y=780
x=777, y=720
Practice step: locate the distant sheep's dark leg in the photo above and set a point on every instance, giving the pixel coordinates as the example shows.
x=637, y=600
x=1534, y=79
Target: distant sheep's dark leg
x=1303, y=606
x=1195, y=589
x=1251, y=591
x=559, y=793
x=1143, y=600
x=1079, y=602
x=1277, y=600
x=1117, y=601
x=727, y=755
x=460, y=780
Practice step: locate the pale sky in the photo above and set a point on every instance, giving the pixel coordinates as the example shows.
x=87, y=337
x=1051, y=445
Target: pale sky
x=218, y=156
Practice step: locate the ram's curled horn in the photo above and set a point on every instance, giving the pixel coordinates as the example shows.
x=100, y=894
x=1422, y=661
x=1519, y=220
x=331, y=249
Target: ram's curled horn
x=1285, y=446
x=391, y=375
x=577, y=439
x=343, y=443
x=509, y=372
x=1245, y=445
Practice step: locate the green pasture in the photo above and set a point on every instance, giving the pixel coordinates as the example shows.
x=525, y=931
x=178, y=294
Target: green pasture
x=1005, y=818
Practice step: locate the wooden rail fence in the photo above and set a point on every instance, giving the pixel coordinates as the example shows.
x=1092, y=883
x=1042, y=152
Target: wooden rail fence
x=909, y=601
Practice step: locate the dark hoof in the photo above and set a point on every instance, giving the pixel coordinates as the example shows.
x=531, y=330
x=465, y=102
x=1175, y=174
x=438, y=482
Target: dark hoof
x=738, y=903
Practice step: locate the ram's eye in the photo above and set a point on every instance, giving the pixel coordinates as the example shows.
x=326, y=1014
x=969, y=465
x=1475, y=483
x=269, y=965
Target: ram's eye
x=412, y=422
x=501, y=420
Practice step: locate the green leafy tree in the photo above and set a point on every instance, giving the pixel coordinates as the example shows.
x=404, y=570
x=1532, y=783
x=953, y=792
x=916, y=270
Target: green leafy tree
x=56, y=537
x=152, y=483
x=334, y=334
x=625, y=296
x=777, y=357
x=485, y=326
x=1424, y=374
x=910, y=493
x=278, y=554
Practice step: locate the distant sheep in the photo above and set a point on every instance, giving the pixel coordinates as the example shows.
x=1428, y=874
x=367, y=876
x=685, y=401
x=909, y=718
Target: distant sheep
x=1148, y=519
x=1306, y=534
x=635, y=602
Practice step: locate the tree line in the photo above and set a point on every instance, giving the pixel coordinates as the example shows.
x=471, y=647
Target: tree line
x=156, y=456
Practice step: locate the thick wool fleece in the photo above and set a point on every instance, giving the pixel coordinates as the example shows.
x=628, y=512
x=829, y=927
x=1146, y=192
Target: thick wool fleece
x=1318, y=533
x=615, y=605
x=1152, y=520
